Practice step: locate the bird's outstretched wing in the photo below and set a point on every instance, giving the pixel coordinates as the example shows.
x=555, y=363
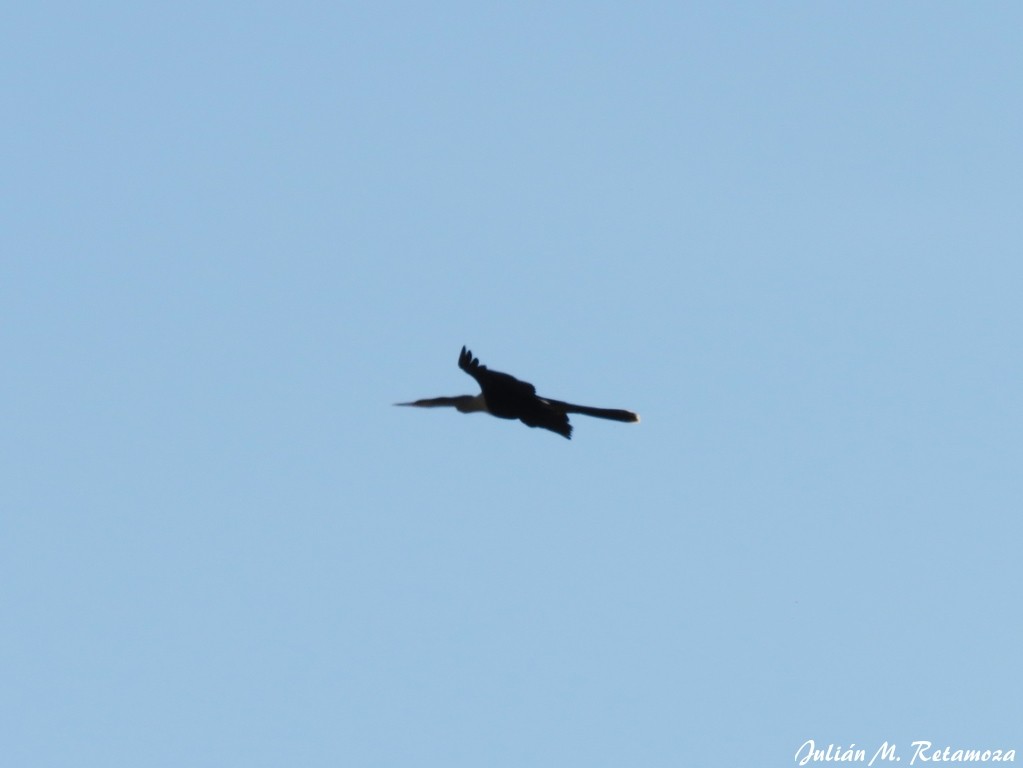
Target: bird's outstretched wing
x=488, y=379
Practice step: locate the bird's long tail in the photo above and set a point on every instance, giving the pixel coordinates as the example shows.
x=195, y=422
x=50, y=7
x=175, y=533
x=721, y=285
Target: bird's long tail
x=615, y=414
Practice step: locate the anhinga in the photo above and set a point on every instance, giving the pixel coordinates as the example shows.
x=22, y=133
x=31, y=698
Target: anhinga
x=506, y=397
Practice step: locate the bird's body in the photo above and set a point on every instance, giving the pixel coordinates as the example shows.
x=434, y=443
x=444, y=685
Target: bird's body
x=506, y=397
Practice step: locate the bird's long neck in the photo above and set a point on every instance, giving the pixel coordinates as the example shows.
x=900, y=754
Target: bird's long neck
x=464, y=403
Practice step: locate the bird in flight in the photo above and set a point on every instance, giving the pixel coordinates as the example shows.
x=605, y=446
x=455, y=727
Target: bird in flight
x=506, y=397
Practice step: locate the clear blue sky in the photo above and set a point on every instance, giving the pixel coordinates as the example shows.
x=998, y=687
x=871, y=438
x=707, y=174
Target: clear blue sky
x=789, y=235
